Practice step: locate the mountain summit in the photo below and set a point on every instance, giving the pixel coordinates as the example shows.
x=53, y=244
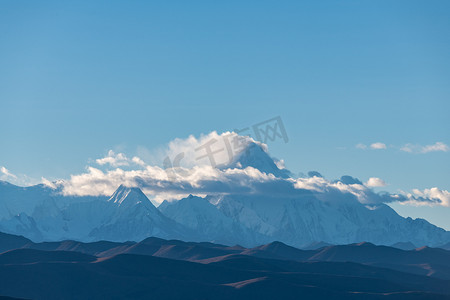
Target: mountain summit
x=256, y=157
x=131, y=216
x=128, y=196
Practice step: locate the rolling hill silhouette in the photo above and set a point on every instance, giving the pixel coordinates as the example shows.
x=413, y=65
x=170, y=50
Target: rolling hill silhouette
x=174, y=269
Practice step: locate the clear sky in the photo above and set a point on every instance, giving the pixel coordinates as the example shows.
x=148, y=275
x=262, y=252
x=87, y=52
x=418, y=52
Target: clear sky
x=80, y=78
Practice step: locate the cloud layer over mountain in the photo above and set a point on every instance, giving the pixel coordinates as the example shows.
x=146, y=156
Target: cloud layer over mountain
x=213, y=164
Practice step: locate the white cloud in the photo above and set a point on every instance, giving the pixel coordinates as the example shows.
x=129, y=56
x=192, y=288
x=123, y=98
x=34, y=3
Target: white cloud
x=155, y=180
x=373, y=146
x=113, y=159
x=436, y=147
x=339, y=191
x=429, y=197
x=407, y=148
x=375, y=182
x=6, y=173
x=194, y=151
x=138, y=161
x=378, y=146
x=119, y=160
x=191, y=175
x=410, y=148
x=203, y=180
x=186, y=169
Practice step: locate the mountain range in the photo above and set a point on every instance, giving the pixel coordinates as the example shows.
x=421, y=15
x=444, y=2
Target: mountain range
x=43, y=213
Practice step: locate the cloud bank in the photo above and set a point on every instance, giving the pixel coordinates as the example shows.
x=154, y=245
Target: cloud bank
x=410, y=148
x=188, y=169
x=118, y=160
x=436, y=147
x=434, y=196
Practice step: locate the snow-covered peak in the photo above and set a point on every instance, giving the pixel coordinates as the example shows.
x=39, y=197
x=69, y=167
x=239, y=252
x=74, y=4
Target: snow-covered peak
x=128, y=196
x=257, y=157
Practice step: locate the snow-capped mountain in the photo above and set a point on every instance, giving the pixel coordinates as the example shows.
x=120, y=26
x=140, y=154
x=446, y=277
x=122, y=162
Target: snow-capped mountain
x=201, y=216
x=299, y=221
x=131, y=216
x=127, y=215
x=302, y=221
x=42, y=213
x=279, y=211
x=256, y=156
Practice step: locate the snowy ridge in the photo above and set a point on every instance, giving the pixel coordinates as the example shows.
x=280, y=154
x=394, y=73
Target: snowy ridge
x=230, y=219
x=256, y=156
x=296, y=216
x=128, y=196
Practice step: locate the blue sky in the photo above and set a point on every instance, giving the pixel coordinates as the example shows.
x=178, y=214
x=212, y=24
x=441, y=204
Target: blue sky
x=78, y=79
